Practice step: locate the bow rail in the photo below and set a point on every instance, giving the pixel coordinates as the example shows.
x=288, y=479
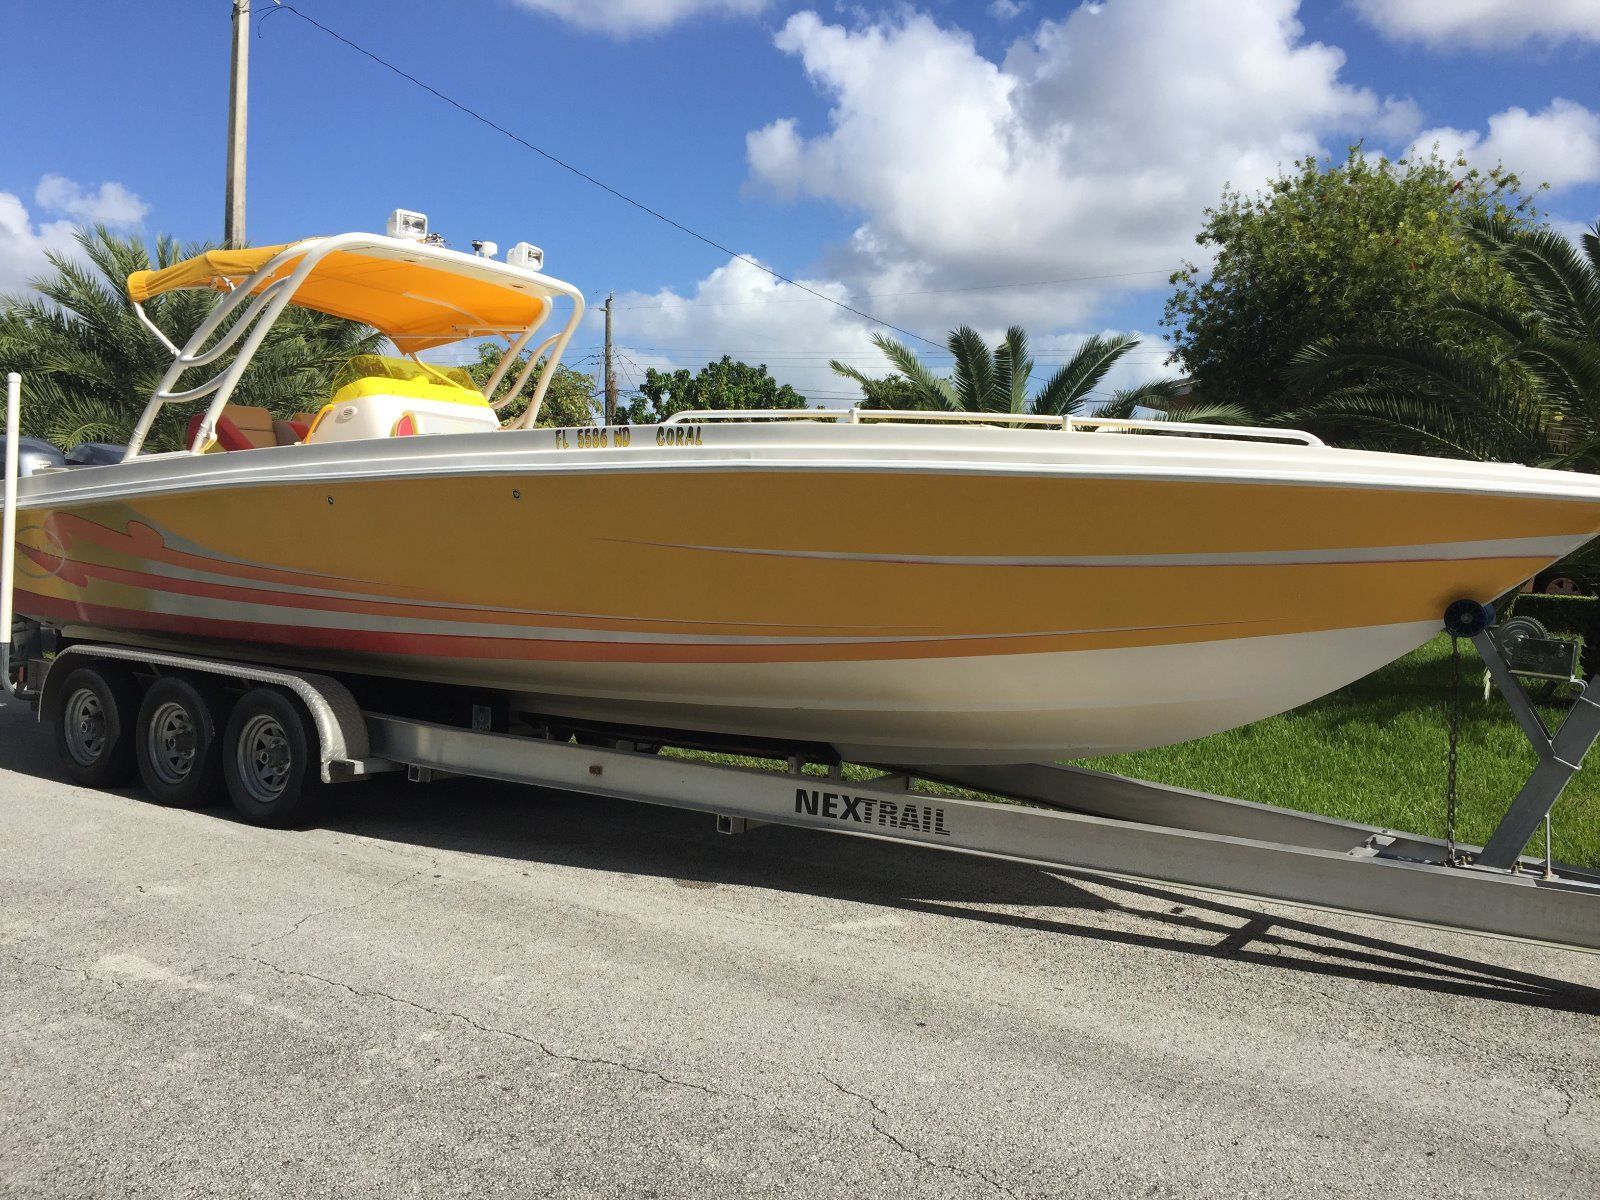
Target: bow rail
x=1070, y=422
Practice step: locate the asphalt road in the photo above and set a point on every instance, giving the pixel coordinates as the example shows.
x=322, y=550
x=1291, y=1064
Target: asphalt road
x=478, y=989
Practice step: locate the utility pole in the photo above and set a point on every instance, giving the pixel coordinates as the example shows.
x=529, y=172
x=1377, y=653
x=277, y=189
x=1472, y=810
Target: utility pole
x=610, y=372
x=233, y=199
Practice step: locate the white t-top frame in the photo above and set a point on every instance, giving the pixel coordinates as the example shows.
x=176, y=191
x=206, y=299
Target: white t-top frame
x=261, y=310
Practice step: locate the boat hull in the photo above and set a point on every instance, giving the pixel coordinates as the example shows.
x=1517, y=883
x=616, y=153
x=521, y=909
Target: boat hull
x=920, y=596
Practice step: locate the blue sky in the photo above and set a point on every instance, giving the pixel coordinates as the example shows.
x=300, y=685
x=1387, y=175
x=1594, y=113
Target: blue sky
x=923, y=162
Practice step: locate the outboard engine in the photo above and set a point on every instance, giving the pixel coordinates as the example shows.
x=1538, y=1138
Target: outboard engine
x=95, y=454
x=34, y=453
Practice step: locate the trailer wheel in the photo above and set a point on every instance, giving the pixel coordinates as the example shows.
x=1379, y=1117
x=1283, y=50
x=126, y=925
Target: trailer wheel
x=270, y=761
x=94, y=727
x=178, y=747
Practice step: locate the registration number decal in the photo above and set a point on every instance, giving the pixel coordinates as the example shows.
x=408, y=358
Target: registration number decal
x=594, y=437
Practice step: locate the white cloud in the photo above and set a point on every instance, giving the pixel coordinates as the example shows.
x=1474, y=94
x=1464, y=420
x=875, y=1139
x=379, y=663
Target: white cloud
x=742, y=311
x=1006, y=10
x=624, y=17
x=25, y=238
x=1400, y=118
x=23, y=244
x=1091, y=149
x=1483, y=24
x=1559, y=146
x=1573, y=231
x=109, y=204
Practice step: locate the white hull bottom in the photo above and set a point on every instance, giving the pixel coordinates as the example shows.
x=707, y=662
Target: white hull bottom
x=1009, y=708
x=998, y=709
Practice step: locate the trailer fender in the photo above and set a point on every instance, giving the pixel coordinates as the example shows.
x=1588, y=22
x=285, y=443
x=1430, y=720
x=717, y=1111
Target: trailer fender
x=341, y=729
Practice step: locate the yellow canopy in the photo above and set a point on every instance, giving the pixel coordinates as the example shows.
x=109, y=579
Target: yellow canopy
x=214, y=268
x=415, y=303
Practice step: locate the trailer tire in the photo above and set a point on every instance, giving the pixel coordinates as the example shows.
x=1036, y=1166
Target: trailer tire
x=179, y=746
x=271, y=761
x=94, y=724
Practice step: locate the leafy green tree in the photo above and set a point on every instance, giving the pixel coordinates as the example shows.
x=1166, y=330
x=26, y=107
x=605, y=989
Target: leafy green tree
x=724, y=384
x=1535, y=399
x=568, y=401
x=996, y=381
x=1361, y=250
x=91, y=367
x=894, y=392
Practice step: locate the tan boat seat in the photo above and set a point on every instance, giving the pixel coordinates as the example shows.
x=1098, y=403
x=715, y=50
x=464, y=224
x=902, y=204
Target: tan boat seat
x=239, y=427
x=254, y=423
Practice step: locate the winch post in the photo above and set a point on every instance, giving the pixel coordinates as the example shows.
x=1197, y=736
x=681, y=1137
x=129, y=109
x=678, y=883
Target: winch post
x=1560, y=756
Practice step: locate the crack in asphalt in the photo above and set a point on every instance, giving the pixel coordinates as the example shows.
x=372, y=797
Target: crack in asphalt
x=1565, y=1092
x=878, y=1111
x=496, y=1031
x=433, y=865
x=81, y=972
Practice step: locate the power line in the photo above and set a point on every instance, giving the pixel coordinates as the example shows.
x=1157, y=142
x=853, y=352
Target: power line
x=822, y=356
x=584, y=175
x=978, y=287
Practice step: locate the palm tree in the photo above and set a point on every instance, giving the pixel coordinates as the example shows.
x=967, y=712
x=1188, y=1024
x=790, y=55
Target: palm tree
x=996, y=381
x=91, y=367
x=1536, y=401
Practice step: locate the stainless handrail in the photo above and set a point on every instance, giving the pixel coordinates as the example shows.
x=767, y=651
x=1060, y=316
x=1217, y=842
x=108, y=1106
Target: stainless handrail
x=1243, y=432
x=1070, y=422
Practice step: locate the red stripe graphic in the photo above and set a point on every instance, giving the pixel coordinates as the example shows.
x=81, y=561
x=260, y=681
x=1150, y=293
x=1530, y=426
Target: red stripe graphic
x=534, y=649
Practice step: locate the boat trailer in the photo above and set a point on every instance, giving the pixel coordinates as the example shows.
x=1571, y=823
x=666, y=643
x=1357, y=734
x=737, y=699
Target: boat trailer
x=1059, y=816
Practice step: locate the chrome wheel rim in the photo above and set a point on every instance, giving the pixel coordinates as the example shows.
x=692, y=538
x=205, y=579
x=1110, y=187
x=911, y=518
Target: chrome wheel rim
x=85, y=726
x=171, y=742
x=263, y=758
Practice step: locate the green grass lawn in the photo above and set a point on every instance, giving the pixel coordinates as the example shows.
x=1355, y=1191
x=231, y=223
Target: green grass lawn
x=1375, y=752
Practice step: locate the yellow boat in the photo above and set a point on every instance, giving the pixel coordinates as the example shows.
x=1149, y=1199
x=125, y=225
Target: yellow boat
x=905, y=587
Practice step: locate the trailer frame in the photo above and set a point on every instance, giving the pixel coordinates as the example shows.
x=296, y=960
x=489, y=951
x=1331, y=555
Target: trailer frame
x=1058, y=816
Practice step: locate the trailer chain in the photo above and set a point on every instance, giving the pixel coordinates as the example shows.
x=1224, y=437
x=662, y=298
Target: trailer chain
x=1452, y=760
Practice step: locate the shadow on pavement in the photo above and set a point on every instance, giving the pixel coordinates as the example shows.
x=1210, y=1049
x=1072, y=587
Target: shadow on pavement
x=567, y=829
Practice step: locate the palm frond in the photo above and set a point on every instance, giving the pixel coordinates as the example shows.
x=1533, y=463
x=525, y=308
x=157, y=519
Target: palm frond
x=1152, y=393
x=1013, y=367
x=1210, y=412
x=1590, y=241
x=855, y=375
x=1558, y=282
x=975, y=378
x=1419, y=398
x=1121, y=407
x=936, y=392
x=1064, y=392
